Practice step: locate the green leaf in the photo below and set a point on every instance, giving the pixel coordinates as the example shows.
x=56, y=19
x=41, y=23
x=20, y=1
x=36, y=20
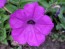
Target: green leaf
x=2, y=11
x=61, y=1
x=62, y=18
x=63, y=26
x=22, y=4
x=62, y=38
x=9, y=38
x=5, y=17
x=61, y=13
x=58, y=27
x=5, y=42
x=11, y=7
x=7, y=26
x=44, y=4
x=1, y=24
x=2, y=34
x=55, y=36
x=14, y=1
x=29, y=0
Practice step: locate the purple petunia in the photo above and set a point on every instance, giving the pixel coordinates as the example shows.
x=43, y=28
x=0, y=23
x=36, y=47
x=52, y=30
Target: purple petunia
x=30, y=25
x=2, y=3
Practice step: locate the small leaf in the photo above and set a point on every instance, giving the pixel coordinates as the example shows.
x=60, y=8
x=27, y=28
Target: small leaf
x=55, y=36
x=14, y=1
x=11, y=7
x=7, y=26
x=29, y=0
x=2, y=34
x=63, y=25
x=2, y=11
x=45, y=4
x=58, y=27
x=9, y=38
x=5, y=17
x=5, y=42
x=62, y=18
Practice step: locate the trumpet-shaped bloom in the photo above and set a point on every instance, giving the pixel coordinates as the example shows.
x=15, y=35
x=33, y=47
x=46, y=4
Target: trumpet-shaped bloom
x=30, y=25
x=2, y=3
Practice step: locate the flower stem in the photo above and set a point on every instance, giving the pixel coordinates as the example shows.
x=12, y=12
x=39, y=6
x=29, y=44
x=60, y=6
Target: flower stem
x=7, y=10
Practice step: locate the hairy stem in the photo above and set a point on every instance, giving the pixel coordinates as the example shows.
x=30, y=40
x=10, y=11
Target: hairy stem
x=7, y=10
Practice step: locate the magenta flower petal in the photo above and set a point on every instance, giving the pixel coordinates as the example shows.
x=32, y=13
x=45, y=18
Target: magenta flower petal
x=39, y=11
x=30, y=25
x=34, y=10
x=18, y=14
x=34, y=37
x=17, y=18
x=15, y=23
x=44, y=20
x=18, y=36
x=45, y=25
x=2, y=3
x=29, y=8
x=44, y=29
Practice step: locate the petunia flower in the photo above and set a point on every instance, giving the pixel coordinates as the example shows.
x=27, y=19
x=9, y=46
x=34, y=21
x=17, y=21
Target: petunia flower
x=30, y=25
x=2, y=3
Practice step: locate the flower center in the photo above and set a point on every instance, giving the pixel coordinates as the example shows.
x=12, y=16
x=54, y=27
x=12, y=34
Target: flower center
x=31, y=22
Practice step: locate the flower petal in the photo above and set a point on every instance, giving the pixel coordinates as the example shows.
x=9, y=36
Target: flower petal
x=18, y=36
x=45, y=25
x=39, y=11
x=44, y=20
x=29, y=9
x=19, y=14
x=2, y=3
x=15, y=23
x=34, y=39
x=40, y=37
x=44, y=29
x=17, y=19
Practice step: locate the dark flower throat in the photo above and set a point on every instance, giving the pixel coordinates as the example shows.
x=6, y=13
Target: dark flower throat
x=31, y=22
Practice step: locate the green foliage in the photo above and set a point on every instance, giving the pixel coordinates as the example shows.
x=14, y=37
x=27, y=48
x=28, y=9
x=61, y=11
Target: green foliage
x=11, y=7
x=62, y=18
x=2, y=34
x=58, y=37
x=58, y=26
